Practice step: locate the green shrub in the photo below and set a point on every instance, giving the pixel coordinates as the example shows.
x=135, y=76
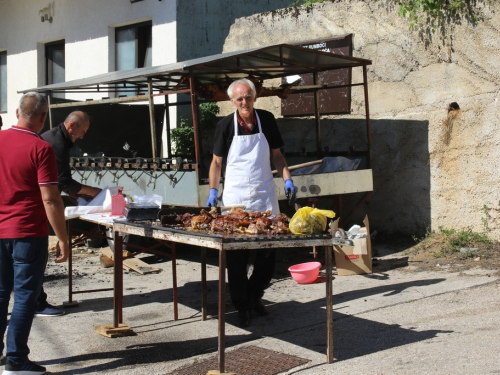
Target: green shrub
x=182, y=137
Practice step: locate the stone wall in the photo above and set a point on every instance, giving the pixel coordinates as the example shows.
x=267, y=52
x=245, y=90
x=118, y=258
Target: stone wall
x=422, y=180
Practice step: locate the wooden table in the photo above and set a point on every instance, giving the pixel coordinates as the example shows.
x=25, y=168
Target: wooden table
x=101, y=233
x=107, y=221
x=221, y=244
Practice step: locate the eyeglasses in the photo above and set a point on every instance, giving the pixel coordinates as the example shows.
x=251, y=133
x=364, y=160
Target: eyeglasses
x=247, y=98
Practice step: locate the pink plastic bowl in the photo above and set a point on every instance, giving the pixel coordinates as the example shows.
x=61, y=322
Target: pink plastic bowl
x=305, y=273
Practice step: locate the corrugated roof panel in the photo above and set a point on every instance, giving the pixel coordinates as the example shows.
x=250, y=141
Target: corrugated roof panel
x=261, y=63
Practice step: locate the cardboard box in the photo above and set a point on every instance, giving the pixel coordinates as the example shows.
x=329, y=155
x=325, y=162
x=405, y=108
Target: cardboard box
x=357, y=259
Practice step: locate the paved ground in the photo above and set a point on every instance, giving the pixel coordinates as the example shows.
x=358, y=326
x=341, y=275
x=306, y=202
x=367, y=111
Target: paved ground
x=394, y=322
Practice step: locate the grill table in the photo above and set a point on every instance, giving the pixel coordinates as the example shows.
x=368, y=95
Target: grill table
x=222, y=243
x=87, y=234
x=103, y=222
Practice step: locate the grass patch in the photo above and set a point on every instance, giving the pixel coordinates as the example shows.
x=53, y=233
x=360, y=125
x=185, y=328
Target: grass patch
x=445, y=242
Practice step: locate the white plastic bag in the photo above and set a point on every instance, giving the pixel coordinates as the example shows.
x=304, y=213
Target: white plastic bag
x=151, y=198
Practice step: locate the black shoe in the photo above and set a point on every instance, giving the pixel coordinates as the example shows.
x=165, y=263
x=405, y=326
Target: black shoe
x=259, y=308
x=28, y=368
x=243, y=318
x=48, y=310
x=3, y=360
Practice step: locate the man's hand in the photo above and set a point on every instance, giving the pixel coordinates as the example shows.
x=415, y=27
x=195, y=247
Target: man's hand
x=88, y=198
x=290, y=187
x=88, y=191
x=62, y=251
x=290, y=191
x=212, y=199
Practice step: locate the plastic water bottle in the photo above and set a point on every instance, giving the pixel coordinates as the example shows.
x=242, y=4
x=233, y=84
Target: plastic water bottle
x=118, y=203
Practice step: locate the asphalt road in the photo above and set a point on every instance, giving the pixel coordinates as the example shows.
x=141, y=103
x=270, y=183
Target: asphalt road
x=394, y=322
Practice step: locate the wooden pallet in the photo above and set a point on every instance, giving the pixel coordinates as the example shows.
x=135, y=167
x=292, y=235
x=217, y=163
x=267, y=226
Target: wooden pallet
x=109, y=331
x=129, y=262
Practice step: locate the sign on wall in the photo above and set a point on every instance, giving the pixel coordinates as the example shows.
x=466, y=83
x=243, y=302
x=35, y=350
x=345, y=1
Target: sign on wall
x=331, y=100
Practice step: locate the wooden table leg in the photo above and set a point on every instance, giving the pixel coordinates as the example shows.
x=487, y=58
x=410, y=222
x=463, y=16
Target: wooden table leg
x=203, y=283
x=118, y=280
x=70, y=302
x=174, y=279
x=118, y=328
x=222, y=309
x=329, y=305
x=70, y=264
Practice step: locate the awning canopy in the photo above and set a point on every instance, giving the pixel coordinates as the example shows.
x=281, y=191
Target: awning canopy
x=257, y=63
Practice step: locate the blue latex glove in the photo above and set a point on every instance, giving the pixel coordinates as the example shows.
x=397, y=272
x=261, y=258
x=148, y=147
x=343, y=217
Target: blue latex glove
x=212, y=199
x=289, y=187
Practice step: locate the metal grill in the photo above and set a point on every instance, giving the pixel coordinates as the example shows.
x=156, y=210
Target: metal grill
x=248, y=360
x=230, y=238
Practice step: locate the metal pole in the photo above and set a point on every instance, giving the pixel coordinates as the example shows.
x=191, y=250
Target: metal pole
x=118, y=280
x=174, y=279
x=194, y=110
x=70, y=264
x=167, y=126
x=50, y=114
x=319, y=151
x=368, y=124
x=329, y=304
x=152, y=117
x=222, y=310
x=203, y=283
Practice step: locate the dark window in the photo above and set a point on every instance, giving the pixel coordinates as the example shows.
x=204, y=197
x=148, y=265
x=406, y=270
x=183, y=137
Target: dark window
x=3, y=81
x=133, y=50
x=55, y=64
x=331, y=101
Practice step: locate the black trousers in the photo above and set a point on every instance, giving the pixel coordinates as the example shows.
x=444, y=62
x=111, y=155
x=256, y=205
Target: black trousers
x=244, y=290
x=42, y=297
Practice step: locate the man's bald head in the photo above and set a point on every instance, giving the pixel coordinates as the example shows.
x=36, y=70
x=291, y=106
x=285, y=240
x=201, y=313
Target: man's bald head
x=77, y=123
x=77, y=117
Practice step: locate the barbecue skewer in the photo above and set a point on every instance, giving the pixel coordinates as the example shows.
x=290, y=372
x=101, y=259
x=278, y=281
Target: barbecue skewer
x=297, y=166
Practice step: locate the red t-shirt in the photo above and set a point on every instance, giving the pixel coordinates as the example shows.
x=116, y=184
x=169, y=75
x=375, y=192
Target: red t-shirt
x=26, y=163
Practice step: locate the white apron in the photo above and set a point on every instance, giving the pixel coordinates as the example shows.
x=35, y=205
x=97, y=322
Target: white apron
x=249, y=180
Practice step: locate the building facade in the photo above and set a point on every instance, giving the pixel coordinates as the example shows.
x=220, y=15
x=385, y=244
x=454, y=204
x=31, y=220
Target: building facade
x=44, y=42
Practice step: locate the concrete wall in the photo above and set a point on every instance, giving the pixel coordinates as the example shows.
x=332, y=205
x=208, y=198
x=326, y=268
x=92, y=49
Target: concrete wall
x=421, y=181
x=206, y=23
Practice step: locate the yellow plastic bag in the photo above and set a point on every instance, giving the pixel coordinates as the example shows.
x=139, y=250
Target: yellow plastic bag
x=308, y=220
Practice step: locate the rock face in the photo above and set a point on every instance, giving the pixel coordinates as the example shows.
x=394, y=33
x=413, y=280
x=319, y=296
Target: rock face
x=427, y=172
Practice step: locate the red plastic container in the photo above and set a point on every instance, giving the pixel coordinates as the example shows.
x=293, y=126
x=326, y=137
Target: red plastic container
x=118, y=203
x=305, y=273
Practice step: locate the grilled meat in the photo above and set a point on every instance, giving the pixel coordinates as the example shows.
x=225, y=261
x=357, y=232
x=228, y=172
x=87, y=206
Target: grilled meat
x=236, y=221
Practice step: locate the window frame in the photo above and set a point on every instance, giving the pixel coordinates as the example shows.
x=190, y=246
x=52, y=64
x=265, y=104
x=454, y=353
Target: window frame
x=50, y=48
x=143, y=42
x=3, y=82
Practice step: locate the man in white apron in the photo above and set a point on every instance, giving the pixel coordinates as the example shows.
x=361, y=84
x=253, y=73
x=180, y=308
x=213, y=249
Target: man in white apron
x=250, y=139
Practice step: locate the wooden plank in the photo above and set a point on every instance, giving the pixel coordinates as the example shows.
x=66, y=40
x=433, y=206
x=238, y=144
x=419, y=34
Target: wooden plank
x=106, y=262
x=139, y=266
x=110, y=331
x=106, y=251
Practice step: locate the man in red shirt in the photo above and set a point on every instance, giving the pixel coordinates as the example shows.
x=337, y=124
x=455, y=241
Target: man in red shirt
x=29, y=201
